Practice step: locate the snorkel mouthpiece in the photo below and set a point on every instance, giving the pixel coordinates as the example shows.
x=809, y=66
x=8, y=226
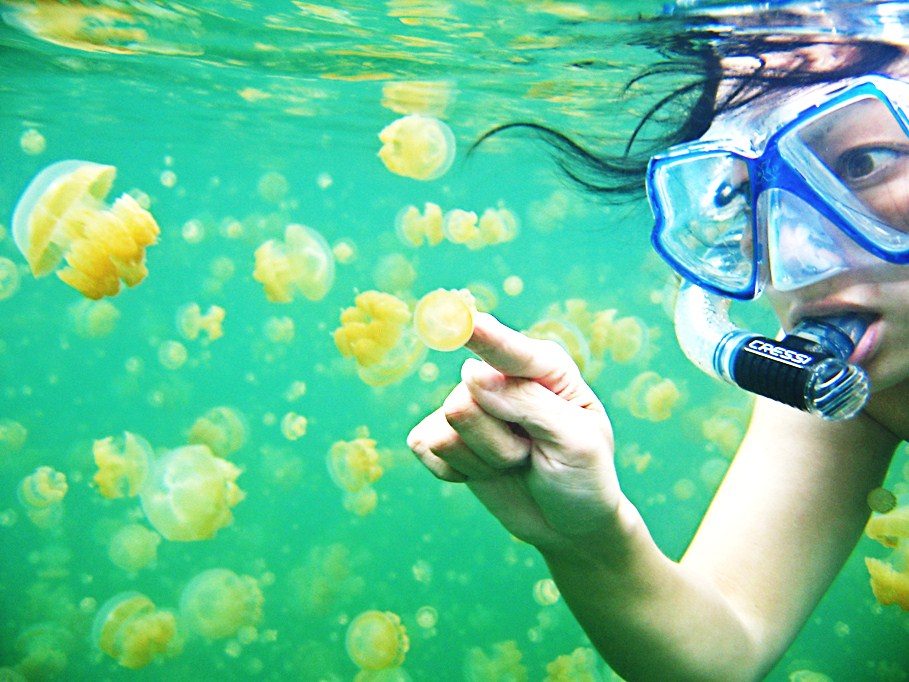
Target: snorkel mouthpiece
x=808, y=369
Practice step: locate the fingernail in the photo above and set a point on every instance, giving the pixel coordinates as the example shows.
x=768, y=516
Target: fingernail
x=479, y=374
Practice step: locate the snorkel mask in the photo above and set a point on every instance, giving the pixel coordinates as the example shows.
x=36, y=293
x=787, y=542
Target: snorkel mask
x=820, y=186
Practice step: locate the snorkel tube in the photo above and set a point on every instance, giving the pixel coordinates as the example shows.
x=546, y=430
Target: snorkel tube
x=808, y=369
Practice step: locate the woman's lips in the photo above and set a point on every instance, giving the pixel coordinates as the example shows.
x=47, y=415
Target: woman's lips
x=865, y=345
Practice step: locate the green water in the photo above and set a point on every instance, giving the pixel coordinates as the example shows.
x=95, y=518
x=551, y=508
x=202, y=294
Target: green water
x=194, y=105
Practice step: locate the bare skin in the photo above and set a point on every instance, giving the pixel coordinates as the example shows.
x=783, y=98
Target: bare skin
x=534, y=444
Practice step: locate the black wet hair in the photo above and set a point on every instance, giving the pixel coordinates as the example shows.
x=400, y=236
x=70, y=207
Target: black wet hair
x=694, y=55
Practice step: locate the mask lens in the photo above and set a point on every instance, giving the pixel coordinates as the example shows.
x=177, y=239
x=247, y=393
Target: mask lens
x=858, y=159
x=706, y=231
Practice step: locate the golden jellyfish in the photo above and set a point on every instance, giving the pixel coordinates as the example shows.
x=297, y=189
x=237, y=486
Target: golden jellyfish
x=191, y=321
x=890, y=578
x=326, y=581
x=504, y=663
x=41, y=493
x=301, y=264
x=94, y=319
x=223, y=429
x=394, y=272
x=190, y=493
x=12, y=435
x=217, y=603
x=62, y=215
x=725, y=428
x=497, y=225
x=650, y=396
x=32, y=142
x=376, y=333
x=345, y=251
x=279, y=329
x=805, y=675
x=578, y=666
x=460, y=227
x=273, y=187
x=123, y=464
x=444, y=318
x=172, y=354
x=293, y=426
x=430, y=98
x=413, y=227
x=569, y=337
x=9, y=278
x=625, y=338
x=132, y=631
x=133, y=547
x=513, y=285
x=44, y=649
x=418, y=147
x=354, y=467
x=377, y=640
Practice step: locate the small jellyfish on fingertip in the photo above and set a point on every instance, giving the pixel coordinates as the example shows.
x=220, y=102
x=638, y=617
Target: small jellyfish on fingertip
x=444, y=318
x=418, y=147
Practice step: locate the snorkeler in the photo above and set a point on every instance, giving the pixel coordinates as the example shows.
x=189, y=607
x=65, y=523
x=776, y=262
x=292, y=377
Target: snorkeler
x=789, y=177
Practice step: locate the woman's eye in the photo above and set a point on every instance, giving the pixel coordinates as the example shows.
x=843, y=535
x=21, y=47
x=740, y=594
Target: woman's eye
x=865, y=165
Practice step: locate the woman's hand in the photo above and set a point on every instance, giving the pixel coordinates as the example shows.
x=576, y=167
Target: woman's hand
x=529, y=437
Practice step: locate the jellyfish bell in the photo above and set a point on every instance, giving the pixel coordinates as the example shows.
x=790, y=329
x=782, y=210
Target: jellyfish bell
x=123, y=464
x=223, y=429
x=133, y=547
x=444, y=318
x=62, y=215
x=218, y=603
x=303, y=263
x=376, y=640
x=41, y=493
x=189, y=494
x=132, y=631
x=418, y=147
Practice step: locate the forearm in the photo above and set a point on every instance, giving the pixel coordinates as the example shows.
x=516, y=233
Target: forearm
x=650, y=618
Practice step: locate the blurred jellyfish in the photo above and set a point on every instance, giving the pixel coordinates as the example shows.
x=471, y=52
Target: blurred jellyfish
x=297, y=389
x=44, y=650
x=484, y=296
x=191, y=322
x=430, y=98
x=805, y=675
x=223, y=429
x=443, y=319
x=413, y=228
x=513, y=285
x=890, y=578
x=41, y=493
x=394, y=272
x=376, y=334
x=460, y=227
x=497, y=225
x=545, y=592
x=217, y=603
x=569, y=337
x=578, y=666
x=279, y=329
x=354, y=467
x=504, y=663
x=12, y=435
x=133, y=547
x=384, y=675
x=302, y=264
x=9, y=278
x=190, y=493
x=62, y=214
x=123, y=464
x=172, y=354
x=725, y=428
x=293, y=426
x=625, y=338
x=327, y=581
x=94, y=319
x=649, y=396
x=132, y=631
x=419, y=147
x=881, y=500
x=345, y=251
x=273, y=187
x=377, y=640
x=32, y=142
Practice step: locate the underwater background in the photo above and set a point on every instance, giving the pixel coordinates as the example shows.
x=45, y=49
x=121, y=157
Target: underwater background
x=229, y=121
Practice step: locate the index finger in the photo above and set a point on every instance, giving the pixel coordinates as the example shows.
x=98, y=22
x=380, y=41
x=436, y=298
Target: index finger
x=513, y=353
